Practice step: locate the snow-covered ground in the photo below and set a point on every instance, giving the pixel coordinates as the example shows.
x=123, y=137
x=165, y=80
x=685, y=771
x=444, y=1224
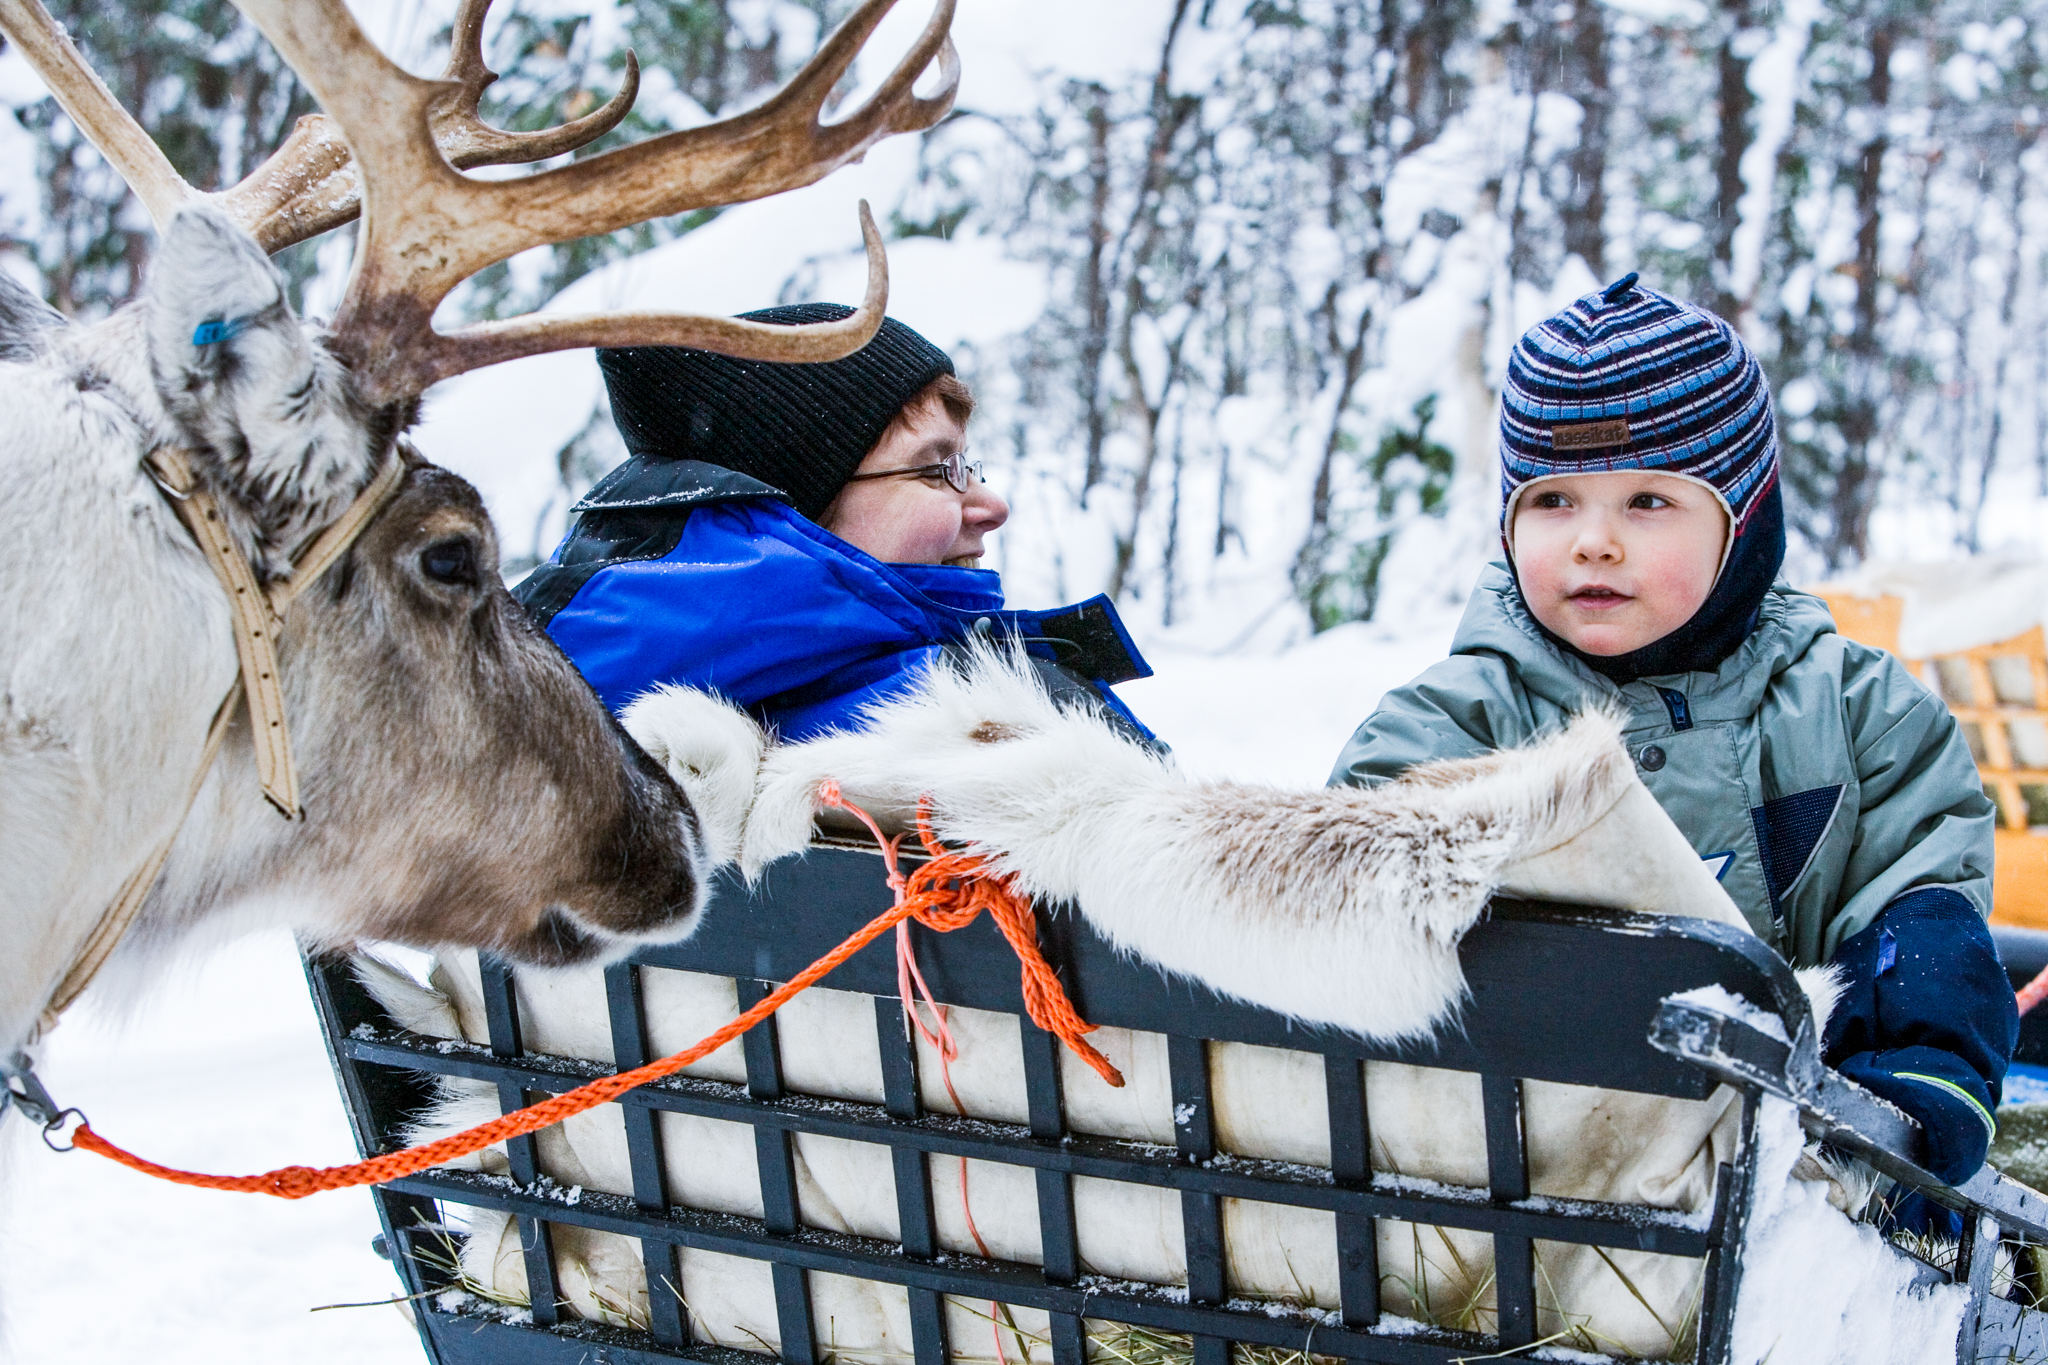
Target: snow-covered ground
x=222, y=1070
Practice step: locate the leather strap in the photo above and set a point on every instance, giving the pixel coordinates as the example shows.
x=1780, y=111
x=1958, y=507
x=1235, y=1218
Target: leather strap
x=333, y=542
x=257, y=615
x=114, y=924
x=254, y=618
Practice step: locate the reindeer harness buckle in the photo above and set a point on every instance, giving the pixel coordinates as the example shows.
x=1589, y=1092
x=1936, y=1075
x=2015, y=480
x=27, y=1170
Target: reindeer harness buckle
x=21, y=1088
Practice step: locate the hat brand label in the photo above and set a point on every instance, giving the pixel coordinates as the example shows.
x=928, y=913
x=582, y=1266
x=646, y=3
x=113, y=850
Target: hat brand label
x=1589, y=435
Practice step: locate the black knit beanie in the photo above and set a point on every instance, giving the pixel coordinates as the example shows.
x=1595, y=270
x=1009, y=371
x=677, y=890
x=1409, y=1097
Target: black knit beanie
x=800, y=428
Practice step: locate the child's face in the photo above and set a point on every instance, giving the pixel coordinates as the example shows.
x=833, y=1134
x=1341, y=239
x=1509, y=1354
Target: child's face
x=919, y=520
x=1612, y=562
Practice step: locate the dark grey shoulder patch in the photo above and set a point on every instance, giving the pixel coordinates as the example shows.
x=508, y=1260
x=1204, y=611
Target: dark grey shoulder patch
x=647, y=481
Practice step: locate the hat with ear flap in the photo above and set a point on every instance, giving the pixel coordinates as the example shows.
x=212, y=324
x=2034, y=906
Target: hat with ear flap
x=1631, y=379
x=802, y=429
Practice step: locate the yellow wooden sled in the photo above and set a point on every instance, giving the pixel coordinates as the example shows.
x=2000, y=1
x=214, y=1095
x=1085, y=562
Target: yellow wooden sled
x=1999, y=693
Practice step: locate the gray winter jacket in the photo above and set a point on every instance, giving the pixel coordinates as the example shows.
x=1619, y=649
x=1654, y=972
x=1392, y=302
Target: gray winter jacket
x=1820, y=777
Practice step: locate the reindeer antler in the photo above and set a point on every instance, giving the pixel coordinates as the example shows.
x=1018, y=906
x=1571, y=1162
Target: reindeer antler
x=393, y=144
x=428, y=227
x=467, y=141
x=309, y=184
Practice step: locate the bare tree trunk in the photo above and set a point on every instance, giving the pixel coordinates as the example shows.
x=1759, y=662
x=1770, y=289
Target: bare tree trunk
x=1308, y=563
x=1732, y=143
x=1224, y=530
x=1095, y=342
x=1148, y=449
x=1968, y=501
x=1169, y=115
x=2041, y=409
x=2016, y=211
x=1171, y=559
x=1152, y=414
x=1428, y=44
x=1855, y=487
x=1586, y=80
x=1521, y=256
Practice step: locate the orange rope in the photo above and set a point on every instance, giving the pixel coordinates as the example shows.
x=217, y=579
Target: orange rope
x=2033, y=993
x=911, y=989
x=945, y=894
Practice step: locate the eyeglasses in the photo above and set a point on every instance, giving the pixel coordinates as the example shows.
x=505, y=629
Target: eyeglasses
x=958, y=473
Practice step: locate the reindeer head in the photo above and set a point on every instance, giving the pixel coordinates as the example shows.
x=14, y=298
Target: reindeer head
x=461, y=784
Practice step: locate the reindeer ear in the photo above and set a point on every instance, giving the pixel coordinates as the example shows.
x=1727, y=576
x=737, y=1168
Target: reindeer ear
x=214, y=302
x=263, y=405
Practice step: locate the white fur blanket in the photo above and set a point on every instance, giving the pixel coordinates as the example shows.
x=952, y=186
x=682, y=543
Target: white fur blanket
x=1338, y=906
x=1235, y=884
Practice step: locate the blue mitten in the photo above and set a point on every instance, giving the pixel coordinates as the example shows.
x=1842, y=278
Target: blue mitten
x=1928, y=1022
x=1936, y=1088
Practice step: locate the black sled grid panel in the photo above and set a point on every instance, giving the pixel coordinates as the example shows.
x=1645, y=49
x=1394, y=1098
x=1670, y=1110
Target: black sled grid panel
x=1558, y=994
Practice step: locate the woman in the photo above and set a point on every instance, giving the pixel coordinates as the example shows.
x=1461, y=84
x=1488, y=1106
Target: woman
x=800, y=539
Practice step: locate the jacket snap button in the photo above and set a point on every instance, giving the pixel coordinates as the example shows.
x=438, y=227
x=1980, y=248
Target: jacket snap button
x=1651, y=757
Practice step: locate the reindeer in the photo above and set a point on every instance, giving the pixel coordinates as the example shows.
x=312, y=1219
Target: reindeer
x=446, y=776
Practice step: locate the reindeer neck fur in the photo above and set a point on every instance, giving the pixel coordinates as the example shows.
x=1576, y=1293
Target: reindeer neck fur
x=117, y=629
x=117, y=647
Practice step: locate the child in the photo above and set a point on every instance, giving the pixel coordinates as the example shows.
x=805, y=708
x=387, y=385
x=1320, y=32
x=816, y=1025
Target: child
x=801, y=539
x=1832, y=793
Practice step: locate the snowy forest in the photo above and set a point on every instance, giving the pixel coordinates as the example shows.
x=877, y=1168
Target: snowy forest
x=1236, y=282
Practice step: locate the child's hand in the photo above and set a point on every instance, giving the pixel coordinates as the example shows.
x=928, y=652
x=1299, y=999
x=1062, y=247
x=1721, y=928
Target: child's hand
x=1928, y=1021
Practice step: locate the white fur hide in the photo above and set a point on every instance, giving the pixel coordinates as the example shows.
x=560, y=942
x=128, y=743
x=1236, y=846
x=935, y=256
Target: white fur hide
x=1427, y=1125
x=712, y=749
x=1278, y=897
x=1339, y=907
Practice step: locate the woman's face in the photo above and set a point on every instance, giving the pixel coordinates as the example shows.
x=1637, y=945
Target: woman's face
x=920, y=519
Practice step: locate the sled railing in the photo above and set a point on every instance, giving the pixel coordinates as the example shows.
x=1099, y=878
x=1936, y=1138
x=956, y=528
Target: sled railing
x=1853, y=1120
x=1557, y=993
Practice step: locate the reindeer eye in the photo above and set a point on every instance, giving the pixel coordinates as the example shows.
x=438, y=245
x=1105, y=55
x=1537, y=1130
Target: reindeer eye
x=450, y=561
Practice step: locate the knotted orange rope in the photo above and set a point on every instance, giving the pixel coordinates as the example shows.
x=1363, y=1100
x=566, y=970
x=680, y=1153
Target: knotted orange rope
x=2033, y=993
x=945, y=894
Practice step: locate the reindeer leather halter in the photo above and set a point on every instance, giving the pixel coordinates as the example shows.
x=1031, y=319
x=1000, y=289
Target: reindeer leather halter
x=257, y=613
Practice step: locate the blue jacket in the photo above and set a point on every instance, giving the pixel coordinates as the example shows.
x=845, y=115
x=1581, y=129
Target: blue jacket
x=684, y=572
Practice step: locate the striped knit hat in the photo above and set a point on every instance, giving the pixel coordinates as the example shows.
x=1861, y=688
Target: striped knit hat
x=1629, y=378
